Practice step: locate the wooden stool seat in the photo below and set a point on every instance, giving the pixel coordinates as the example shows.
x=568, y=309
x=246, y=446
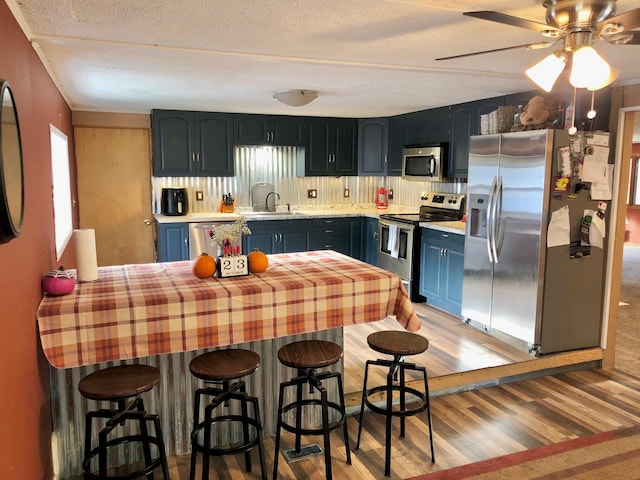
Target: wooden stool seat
x=398, y=343
x=120, y=382
x=310, y=354
x=225, y=364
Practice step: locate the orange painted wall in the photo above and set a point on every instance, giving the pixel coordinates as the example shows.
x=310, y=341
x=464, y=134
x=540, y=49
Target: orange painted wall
x=25, y=420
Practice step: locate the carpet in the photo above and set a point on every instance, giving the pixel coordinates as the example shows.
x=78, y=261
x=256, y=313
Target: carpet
x=606, y=455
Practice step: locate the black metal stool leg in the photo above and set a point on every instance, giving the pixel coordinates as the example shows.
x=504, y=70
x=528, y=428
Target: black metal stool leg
x=387, y=429
x=161, y=448
x=299, y=412
x=256, y=412
x=403, y=401
x=144, y=433
x=196, y=421
x=344, y=425
x=427, y=399
x=325, y=432
x=364, y=394
x=245, y=427
x=278, y=428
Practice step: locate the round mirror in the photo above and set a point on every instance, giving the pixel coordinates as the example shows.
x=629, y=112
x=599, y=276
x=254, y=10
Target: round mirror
x=11, y=175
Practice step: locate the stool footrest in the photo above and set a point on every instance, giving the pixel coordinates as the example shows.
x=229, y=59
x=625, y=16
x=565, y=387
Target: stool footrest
x=407, y=412
x=317, y=430
x=231, y=449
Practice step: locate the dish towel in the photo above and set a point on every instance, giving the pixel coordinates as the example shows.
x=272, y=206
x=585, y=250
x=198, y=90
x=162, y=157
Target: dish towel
x=393, y=243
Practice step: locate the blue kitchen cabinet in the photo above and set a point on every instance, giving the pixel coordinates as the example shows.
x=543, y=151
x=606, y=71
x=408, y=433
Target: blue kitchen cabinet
x=464, y=121
x=332, y=147
x=330, y=234
x=172, y=242
x=277, y=130
x=373, y=141
x=192, y=144
x=278, y=236
x=355, y=237
x=370, y=241
x=442, y=269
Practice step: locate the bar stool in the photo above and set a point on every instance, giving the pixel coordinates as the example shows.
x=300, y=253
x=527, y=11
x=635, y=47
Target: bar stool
x=399, y=344
x=306, y=356
x=120, y=384
x=221, y=368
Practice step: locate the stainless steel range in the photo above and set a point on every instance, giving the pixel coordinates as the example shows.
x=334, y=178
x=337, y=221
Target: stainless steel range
x=400, y=236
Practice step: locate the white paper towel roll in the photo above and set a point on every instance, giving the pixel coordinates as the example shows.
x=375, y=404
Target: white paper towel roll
x=86, y=259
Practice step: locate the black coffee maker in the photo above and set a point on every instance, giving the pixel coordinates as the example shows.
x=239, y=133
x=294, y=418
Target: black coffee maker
x=174, y=201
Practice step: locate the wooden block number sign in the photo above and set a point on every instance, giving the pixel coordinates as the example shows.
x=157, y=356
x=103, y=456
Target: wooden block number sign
x=234, y=266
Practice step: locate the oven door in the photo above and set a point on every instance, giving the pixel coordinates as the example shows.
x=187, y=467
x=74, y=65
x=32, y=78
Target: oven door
x=399, y=259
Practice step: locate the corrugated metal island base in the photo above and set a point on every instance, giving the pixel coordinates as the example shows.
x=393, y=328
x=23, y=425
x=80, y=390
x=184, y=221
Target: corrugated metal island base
x=162, y=315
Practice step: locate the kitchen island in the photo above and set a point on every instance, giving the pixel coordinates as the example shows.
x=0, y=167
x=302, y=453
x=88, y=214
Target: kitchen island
x=162, y=314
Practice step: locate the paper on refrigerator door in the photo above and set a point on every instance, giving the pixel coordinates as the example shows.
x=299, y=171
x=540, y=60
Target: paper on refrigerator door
x=558, y=232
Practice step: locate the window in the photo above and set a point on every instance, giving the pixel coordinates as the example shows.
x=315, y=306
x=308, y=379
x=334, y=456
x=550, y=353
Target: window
x=62, y=211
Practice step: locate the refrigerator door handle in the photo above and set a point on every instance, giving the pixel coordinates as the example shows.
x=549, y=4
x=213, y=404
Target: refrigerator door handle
x=489, y=220
x=495, y=223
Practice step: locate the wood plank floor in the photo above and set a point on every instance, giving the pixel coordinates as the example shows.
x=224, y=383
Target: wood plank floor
x=468, y=427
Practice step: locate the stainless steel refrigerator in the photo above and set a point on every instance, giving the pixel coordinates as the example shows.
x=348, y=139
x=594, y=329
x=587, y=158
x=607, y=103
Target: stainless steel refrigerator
x=513, y=284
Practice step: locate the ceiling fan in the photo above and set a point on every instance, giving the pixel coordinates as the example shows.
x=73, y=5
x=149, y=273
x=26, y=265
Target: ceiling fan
x=576, y=22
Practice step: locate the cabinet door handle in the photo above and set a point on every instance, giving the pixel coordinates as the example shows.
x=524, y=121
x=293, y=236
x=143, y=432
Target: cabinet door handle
x=445, y=252
x=275, y=237
x=193, y=156
x=198, y=157
x=147, y=221
x=328, y=231
x=280, y=236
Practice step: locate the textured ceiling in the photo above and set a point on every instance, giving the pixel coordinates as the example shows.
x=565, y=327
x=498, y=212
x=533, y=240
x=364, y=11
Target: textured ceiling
x=366, y=58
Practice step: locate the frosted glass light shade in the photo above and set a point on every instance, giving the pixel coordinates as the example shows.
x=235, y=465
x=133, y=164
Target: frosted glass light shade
x=296, y=98
x=546, y=71
x=589, y=69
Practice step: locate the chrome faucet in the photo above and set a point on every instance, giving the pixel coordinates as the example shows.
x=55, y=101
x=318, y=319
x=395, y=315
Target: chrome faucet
x=266, y=201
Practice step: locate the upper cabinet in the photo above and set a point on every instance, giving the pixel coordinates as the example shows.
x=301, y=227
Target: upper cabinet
x=331, y=147
x=278, y=130
x=464, y=121
x=192, y=143
x=373, y=141
x=398, y=127
x=428, y=126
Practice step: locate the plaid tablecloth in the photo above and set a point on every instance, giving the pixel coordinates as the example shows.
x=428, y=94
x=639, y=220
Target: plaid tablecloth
x=158, y=308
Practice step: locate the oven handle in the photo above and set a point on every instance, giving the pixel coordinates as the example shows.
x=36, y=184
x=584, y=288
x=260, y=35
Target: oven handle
x=401, y=226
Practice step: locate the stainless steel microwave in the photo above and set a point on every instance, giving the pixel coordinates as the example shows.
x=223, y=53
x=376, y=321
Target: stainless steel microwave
x=425, y=162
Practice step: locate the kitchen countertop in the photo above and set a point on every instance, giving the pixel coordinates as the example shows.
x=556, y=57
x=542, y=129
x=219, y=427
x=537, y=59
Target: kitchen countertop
x=307, y=212
x=321, y=211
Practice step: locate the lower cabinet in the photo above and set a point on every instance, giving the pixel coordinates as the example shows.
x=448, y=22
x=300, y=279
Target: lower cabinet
x=330, y=234
x=278, y=236
x=172, y=242
x=441, y=269
x=370, y=241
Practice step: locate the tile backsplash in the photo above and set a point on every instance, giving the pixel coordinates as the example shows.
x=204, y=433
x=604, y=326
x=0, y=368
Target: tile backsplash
x=280, y=166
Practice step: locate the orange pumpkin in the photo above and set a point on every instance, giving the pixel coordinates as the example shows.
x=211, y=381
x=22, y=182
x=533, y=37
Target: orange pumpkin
x=204, y=266
x=258, y=261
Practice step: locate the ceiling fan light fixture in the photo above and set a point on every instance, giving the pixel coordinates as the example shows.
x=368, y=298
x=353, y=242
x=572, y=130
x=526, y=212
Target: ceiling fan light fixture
x=589, y=69
x=295, y=98
x=546, y=71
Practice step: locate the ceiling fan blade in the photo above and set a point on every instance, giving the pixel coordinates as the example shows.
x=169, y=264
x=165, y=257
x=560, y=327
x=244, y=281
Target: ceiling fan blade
x=630, y=20
x=528, y=46
x=510, y=20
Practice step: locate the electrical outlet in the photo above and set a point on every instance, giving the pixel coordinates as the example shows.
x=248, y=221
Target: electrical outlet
x=199, y=195
x=312, y=193
x=346, y=193
x=390, y=194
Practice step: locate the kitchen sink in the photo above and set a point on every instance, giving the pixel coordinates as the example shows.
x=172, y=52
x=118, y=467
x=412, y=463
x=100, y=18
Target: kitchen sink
x=279, y=213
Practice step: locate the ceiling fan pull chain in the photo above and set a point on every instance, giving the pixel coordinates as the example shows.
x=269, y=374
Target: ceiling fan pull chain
x=591, y=114
x=572, y=130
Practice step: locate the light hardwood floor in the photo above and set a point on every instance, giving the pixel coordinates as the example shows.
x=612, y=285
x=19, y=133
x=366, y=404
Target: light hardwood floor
x=470, y=425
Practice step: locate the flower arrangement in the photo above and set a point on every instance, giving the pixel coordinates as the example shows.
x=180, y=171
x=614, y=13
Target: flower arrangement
x=229, y=233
